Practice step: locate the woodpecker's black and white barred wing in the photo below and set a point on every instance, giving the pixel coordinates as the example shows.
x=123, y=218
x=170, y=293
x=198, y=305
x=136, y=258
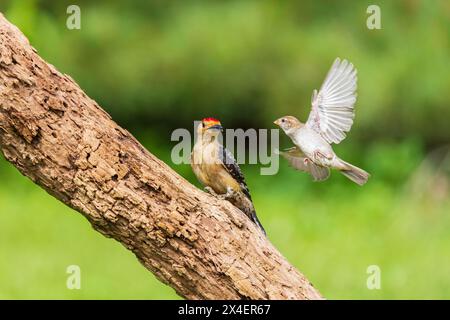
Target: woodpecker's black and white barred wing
x=233, y=169
x=332, y=108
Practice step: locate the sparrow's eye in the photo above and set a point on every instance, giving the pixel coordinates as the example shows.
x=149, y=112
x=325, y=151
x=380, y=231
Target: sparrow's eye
x=283, y=120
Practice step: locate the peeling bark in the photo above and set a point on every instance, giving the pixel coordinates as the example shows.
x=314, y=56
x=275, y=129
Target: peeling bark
x=61, y=139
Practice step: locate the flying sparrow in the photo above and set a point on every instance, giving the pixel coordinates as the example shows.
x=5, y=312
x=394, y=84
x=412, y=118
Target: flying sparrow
x=331, y=117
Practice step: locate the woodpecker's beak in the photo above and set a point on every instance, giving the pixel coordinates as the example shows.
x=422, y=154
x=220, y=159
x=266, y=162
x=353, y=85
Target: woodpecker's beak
x=216, y=127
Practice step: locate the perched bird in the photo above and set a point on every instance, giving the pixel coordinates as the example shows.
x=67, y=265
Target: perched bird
x=330, y=118
x=217, y=170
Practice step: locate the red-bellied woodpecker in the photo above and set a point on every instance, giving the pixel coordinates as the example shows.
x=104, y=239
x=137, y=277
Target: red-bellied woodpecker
x=217, y=170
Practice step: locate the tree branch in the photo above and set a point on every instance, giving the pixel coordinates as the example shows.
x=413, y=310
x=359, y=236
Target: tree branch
x=202, y=247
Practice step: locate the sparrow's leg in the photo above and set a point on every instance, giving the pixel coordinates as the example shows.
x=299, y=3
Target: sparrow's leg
x=322, y=159
x=319, y=156
x=316, y=154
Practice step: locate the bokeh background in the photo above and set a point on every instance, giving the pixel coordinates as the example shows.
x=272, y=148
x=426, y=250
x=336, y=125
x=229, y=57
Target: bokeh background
x=159, y=65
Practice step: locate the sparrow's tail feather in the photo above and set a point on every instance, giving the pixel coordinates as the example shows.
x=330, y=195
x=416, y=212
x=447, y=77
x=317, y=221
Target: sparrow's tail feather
x=357, y=175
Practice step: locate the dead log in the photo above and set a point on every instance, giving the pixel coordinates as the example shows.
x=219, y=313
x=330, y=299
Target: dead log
x=61, y=139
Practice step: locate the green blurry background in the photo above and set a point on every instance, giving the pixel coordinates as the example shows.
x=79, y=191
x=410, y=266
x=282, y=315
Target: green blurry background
x=159, y=65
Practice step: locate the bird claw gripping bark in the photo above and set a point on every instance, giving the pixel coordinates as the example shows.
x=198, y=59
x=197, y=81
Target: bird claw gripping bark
x=211, y=191
x=230, y=194
x=226, y=196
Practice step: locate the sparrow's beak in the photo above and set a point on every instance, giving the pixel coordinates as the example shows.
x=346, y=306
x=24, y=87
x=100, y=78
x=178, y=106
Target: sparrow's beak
x=277, y=122
x=216, y=127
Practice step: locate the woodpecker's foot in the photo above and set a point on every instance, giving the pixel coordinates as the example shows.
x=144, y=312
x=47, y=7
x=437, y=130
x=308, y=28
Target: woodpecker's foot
x=211, y=191
x=230, y=193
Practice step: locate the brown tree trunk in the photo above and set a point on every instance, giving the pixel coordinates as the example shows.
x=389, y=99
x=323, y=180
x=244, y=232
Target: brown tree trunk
x=61, y=139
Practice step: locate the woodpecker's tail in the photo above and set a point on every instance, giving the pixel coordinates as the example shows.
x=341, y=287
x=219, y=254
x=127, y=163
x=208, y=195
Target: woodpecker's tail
x=357, y=175
x=244, y=203
x=257, y=222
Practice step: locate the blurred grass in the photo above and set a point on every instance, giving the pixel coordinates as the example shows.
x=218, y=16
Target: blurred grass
x=331, y=231
x=40, y=237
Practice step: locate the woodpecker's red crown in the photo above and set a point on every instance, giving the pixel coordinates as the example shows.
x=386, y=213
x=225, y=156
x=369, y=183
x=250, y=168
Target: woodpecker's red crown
x=210, y=120
x=211, y=123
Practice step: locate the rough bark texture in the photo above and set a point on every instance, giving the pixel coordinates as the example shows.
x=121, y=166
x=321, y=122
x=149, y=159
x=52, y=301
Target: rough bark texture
x=201, y=246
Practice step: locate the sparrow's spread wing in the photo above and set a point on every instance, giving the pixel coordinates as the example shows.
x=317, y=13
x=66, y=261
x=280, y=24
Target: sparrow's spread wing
x=332, y=108
x=233, y=169
x=296, y=159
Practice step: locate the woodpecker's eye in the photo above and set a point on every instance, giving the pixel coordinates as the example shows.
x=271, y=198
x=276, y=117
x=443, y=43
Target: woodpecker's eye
x=203, y=124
